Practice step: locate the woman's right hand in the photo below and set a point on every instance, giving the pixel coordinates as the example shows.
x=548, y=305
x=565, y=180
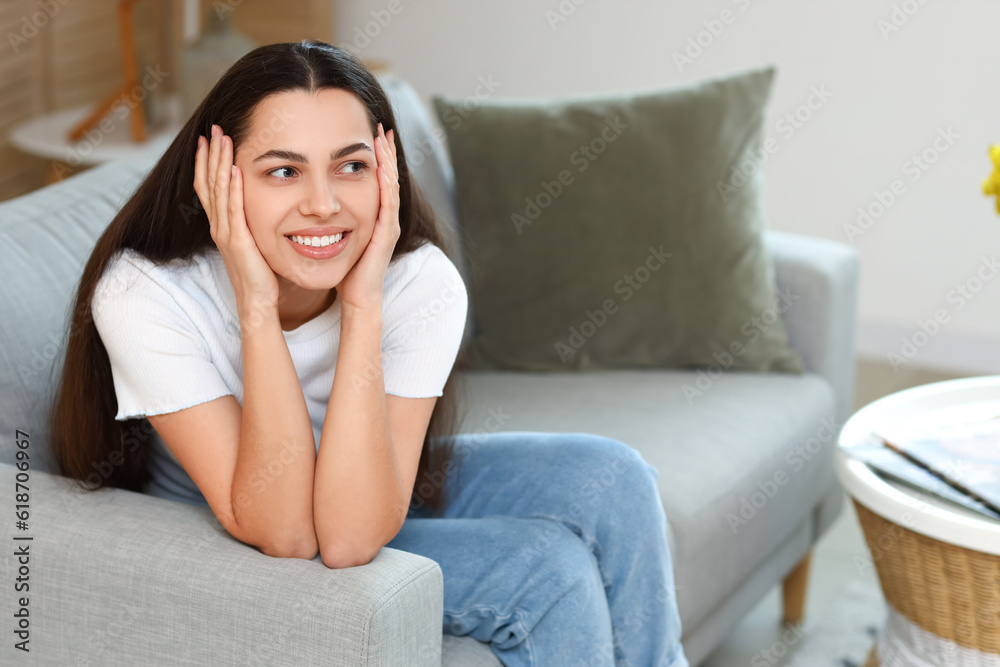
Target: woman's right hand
x=219, y=185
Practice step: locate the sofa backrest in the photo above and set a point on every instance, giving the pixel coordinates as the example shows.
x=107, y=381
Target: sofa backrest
x=427, y=156
x=47, y=236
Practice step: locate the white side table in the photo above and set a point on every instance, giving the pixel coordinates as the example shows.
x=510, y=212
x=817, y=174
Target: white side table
x=938, y=564
x=46, y=136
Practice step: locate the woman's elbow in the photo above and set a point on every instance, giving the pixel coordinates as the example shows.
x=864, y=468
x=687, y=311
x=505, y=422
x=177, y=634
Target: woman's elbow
x=338, y=556
x=305, y=549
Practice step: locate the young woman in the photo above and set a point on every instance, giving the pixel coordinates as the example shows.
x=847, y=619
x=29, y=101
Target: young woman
x=255, y=325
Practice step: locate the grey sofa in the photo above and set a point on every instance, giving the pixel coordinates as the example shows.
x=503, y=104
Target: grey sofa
x=121, y=578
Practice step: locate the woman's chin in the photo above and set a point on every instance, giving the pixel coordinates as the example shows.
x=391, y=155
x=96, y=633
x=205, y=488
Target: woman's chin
x=294, y=281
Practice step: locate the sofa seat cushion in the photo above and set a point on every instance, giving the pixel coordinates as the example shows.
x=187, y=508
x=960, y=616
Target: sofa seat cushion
x=741, y=463
x=467, y=651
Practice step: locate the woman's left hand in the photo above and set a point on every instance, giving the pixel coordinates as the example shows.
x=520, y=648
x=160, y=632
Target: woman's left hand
x=363, y=284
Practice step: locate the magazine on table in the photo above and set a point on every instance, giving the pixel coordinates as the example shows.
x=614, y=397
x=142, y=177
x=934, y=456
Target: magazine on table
x=892, y=465
x=966, y=456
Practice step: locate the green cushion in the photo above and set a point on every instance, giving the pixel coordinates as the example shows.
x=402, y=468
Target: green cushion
x=613, y=231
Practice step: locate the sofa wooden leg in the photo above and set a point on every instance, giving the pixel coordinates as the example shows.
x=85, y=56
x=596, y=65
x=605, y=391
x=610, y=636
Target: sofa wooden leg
x=793, y=590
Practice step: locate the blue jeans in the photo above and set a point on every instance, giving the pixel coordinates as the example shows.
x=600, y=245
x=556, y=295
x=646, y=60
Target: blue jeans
x=553, y=548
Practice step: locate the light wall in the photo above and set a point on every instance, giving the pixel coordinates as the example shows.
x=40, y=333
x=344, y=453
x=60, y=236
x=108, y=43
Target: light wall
x=891, y=92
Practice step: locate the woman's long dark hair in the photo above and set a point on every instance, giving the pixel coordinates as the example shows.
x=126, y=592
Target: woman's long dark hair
x=164, y=220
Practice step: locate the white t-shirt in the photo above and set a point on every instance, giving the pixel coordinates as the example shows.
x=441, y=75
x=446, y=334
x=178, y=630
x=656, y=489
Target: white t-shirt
x=172, y=335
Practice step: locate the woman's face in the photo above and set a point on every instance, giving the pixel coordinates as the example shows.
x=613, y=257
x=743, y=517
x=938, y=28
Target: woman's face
x=308, y=162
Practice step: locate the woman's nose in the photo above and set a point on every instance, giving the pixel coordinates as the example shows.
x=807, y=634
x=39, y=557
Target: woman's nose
x=321, y=199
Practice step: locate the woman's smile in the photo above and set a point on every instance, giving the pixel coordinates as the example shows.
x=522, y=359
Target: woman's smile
x=320, y=247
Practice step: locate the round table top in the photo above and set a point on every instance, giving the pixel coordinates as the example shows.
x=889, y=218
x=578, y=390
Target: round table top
x=951, y=401
x=46, y=136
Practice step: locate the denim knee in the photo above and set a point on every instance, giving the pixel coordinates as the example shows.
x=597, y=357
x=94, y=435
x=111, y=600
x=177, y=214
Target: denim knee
x=613, y=467
x=549, y=543
x=609, y=450
x=577, y=584
x=545, y=565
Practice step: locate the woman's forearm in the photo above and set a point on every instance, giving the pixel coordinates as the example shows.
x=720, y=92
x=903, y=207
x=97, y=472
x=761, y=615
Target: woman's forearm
x=359, y=503
x=273, y=479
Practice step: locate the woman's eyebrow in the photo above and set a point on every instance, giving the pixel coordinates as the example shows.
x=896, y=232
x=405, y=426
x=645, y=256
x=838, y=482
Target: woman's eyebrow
x=292, y=156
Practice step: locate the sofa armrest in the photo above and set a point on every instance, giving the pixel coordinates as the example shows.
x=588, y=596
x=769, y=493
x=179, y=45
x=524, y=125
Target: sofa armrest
x=823, y=275
x=121, y=578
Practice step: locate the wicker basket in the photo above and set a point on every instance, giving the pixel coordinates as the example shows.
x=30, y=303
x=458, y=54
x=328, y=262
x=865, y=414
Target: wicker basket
x=948, y=590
